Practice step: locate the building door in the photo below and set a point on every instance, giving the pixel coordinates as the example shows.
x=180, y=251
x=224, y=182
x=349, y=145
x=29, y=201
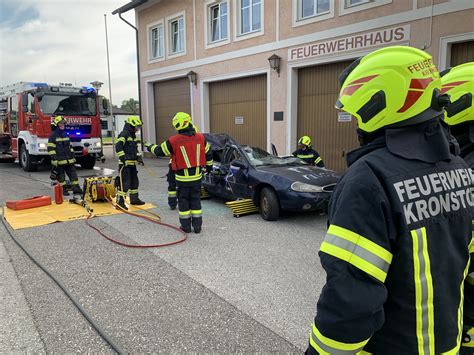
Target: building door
x=318, y=90
x=171, y=96
x=462, y=53
x=238, y=107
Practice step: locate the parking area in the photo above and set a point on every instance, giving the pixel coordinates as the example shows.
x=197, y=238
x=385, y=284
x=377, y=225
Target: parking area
x=242, y=285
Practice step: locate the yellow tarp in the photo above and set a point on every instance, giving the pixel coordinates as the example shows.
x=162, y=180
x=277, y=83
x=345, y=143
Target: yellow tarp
x=67, y=211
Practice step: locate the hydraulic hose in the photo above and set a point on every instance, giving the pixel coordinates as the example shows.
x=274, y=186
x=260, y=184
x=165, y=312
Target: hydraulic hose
x=76, y=303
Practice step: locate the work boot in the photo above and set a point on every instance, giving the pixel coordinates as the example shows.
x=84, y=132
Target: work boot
x=121, y=203
x=135, y=200
x=185, y=230
x=197, y=230
x=65, y=192
x=76, y=190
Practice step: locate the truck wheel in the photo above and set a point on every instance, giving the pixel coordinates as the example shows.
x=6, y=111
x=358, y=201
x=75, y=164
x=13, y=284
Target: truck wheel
x=26, y=160
x=87, y=162
x=269, y=205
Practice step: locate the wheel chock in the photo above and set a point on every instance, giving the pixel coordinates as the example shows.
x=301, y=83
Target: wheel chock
x=242, y=207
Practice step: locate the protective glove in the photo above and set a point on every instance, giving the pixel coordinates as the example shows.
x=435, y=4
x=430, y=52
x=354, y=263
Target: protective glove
x=148, y=145
x=140, y=160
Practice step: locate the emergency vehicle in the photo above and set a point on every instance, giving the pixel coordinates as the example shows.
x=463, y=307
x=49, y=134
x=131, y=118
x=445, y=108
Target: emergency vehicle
x=26, y=112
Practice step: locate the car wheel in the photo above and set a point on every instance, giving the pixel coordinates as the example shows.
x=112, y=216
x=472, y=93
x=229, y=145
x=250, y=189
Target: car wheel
x=26, y=160
x=87, y=162
x=269, y=205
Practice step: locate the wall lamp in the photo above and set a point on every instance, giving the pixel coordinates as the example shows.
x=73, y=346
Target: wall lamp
x=192, y=76
x=275, y=63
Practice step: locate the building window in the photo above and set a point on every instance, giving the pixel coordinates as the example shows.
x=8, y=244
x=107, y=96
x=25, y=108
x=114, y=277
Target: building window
x=310, y=8
x=350, y=3
x=218, y=22
x=157, y=42
x=250, y=16
x=176, y=35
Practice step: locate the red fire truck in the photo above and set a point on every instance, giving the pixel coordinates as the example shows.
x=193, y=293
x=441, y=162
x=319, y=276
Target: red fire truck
x=26, y=112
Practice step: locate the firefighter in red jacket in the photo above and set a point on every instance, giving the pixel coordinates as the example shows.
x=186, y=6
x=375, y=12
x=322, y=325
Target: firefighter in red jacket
x=397, y=249
x=189, y=153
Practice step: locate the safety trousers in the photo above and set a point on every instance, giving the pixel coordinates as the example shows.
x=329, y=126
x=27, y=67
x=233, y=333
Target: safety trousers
x=70, y=170
x=189, y=204
x=128, y=181
x=172, y=195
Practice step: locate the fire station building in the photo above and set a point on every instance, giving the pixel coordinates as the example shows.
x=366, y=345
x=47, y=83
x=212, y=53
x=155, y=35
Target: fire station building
x=266, y=71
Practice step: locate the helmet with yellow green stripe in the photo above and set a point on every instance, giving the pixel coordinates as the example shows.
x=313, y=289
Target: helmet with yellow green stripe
x=58, y=119
x=458, y=83
x=305, y=140
x=392, y=86
x=181, y=121
x=134, y=121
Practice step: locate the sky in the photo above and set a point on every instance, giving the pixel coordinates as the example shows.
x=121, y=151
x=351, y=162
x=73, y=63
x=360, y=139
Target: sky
x=63, y=41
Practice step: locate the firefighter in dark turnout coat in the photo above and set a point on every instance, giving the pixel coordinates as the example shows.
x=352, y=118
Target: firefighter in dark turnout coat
x=189, y=153
x=306, y=152
x=126, y=148
x=62, y=155
x=458, y=83
x=397, y=250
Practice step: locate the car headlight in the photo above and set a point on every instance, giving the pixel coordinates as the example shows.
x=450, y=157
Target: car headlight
x=302, y=187
x=98, y=144
x=42, y=145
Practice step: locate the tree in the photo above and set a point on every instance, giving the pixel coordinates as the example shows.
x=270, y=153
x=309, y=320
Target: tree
x=130, y=105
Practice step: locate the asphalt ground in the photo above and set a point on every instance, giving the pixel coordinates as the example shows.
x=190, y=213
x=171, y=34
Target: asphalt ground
x=243, y=285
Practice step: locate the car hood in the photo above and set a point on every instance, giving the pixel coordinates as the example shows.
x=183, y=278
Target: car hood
x=306, y=174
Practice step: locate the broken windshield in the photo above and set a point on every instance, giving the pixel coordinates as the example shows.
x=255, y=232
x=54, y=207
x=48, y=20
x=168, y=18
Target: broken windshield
x=259, y=157
x=64, y=104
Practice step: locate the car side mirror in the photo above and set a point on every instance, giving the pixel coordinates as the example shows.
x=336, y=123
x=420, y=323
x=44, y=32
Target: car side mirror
x=238, y=164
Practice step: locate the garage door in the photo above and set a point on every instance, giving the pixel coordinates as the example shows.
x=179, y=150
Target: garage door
x=171, y=96
x=239, y=108
x=462, y=53
x=318, y=90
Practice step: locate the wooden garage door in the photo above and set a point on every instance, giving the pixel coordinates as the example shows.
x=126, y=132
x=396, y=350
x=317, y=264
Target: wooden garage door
x=239, y=108
x=318, y=90
x=462, y=53
x=170, y=97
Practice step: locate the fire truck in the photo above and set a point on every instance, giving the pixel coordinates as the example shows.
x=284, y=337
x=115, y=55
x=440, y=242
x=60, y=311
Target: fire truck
x=27, y=110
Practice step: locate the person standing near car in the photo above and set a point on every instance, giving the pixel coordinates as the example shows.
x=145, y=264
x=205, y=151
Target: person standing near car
x=126, y=148
x=62, y=156
x=397, y=250
x=458, y=83
x=306, y=152
x=189, y=152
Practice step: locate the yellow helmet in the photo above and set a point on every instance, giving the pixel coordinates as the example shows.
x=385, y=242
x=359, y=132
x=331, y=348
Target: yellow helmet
x=134, y=121
x=181, y=121
x=59, y=119
x=458, y=82
x=390, y=86
x=305, y=140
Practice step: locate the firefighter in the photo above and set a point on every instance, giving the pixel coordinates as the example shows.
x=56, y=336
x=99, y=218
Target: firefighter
x=189, y=152
x=397, y=249
x=126, y=148
x=458, y=83
x=62, y=156
x=306, y=152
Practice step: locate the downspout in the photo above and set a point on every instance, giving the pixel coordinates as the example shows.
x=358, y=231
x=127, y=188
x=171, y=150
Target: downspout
x=138, y=75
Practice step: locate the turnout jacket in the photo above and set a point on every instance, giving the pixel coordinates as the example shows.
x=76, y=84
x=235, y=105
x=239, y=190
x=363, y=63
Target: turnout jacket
x=126, y=146
x=464, y=134
x=59, y=148
x=310, y=156
x=189, y=152
x=397, y=250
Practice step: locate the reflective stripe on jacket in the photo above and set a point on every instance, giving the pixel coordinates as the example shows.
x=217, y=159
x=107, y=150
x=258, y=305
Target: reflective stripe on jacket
x=59, y=148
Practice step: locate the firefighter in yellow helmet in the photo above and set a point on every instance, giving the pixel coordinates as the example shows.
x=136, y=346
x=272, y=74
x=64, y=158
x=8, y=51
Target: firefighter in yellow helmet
x=458, y=83
x=396, y=252
x=306, y=152
x=189, y=153
x=62, y=155
x=126, y=147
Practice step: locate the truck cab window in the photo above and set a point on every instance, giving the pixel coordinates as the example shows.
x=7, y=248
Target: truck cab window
x=14, y=115
x=31, y=103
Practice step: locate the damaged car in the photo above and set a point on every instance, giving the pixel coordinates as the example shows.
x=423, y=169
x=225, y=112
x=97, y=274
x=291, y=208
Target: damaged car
x=273, y=183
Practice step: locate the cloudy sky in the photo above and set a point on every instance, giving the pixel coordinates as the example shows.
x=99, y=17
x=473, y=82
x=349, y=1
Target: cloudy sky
x=57, y=41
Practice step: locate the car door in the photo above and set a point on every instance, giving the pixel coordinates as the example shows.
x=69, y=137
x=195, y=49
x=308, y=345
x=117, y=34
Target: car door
x=236, y=180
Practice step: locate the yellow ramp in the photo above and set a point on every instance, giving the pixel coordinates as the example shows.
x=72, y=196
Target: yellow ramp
x=67, y=211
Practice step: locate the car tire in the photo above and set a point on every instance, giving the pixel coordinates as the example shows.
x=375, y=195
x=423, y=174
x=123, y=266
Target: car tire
x=26, y=160
x=269, y=204
x=87, y=162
